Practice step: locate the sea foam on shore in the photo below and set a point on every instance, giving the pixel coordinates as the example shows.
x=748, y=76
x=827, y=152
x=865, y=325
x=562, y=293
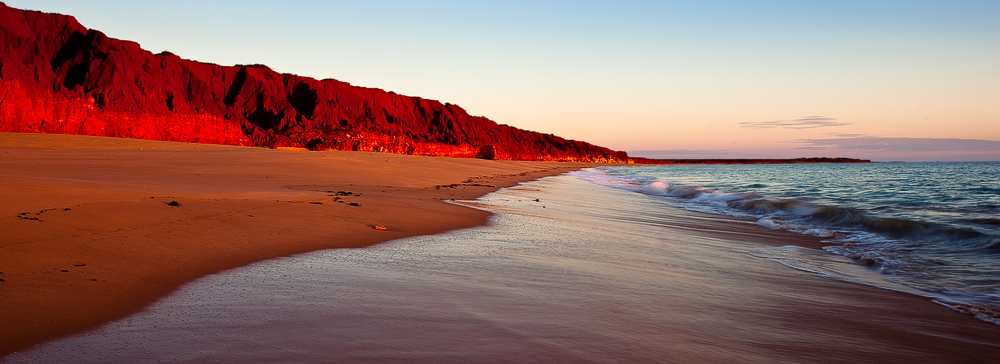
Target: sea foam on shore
x=566, y=271
x=925, y=228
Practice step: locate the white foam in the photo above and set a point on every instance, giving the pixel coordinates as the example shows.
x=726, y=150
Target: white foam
x=770, y=224
x=656, y=188
x=822, y=233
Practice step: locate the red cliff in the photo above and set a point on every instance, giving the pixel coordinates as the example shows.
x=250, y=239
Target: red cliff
x=57, y=76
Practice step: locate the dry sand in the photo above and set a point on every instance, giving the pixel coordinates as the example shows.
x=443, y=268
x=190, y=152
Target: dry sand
x=87, y=236
x=88, y=233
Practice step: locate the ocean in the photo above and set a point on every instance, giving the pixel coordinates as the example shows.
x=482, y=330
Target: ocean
x=931, y=229
x=708, y=264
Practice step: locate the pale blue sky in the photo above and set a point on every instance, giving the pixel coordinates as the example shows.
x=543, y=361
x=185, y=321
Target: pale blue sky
x=699, y=78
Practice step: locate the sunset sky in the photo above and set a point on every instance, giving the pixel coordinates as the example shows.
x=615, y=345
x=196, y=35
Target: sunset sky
x=885, y=80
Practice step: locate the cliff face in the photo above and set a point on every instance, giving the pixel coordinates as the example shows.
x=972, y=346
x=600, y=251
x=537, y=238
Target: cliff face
x=57, y=76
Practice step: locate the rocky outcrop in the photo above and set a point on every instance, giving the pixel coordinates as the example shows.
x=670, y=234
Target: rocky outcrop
x=57, y=76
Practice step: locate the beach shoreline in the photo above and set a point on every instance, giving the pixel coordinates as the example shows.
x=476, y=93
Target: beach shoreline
x=556, y=267
x=94, y=229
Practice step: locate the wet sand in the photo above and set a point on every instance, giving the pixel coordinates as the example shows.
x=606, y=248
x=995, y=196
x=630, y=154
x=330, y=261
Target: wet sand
x=88, y=236
x=93, y=229
x=585, y=274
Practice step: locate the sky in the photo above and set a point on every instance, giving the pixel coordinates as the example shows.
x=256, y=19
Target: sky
x=907, y=80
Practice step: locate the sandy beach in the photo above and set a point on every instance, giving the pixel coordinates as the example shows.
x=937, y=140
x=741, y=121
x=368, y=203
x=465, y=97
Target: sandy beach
x=581, y=275
x=656, y=182
x=93, y=229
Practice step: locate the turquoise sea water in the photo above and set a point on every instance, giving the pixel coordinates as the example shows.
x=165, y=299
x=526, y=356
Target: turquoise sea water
x=931, y=227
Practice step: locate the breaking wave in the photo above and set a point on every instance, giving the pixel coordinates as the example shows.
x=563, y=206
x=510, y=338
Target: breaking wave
x=929, y=227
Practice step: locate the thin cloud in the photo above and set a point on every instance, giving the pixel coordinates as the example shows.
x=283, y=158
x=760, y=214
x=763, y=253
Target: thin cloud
x=849, y=135
x=880, y=144
x=808, y=122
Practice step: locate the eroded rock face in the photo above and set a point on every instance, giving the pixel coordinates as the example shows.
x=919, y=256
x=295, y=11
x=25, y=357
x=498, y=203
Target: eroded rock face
x=57, y=76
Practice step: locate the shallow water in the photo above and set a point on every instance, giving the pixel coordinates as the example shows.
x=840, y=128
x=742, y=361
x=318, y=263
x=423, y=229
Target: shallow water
x=930, y=228
x=584, y=274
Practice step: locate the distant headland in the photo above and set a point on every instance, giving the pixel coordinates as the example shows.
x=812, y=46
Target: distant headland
x=640, y=160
